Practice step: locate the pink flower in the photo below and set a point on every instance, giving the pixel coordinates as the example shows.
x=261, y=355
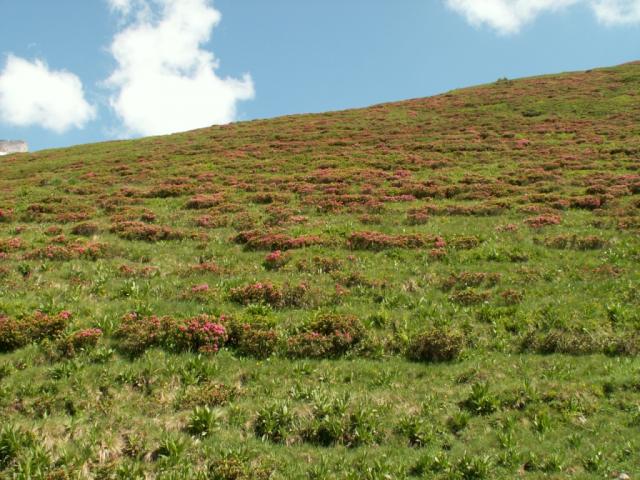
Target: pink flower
x=440, y=243
x=200, y=288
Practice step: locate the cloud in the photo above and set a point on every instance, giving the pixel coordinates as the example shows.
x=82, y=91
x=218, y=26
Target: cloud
x=165, y=81
x=121, y=5
x=32, y=94
x=617, y=12
x=509, y=16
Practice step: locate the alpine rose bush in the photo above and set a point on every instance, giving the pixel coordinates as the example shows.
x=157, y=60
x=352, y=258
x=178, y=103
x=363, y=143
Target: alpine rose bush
x=81, y=340
x=436, y=345
x=269, y=294
x=6, y=215
x=203, y=333
x=136, y=333
x=252, y=339
x=275, y=260
x=329, y=336
x=16, y=333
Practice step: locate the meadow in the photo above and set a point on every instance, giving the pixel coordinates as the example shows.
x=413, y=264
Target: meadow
x=442, y=288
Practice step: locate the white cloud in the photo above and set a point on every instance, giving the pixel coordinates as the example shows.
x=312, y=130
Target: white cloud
x=509, y=16
x=617, y=12
x=165, y=81
x=121, y=5
x=32, y=94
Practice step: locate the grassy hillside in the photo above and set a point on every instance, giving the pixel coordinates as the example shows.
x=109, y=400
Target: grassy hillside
x=439, y=288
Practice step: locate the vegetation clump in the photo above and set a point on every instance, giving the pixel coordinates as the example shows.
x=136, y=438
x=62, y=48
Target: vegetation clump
x=437, y=345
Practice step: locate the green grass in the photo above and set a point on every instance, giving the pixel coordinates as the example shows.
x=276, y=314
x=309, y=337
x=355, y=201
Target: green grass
x=465, y=305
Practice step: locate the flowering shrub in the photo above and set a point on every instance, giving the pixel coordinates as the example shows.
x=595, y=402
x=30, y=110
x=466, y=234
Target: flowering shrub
x=252, y=339
x=417, y=217
x=200, y=293
x=16, y=333
x=142, y=231
x=326, y=337
x=469, y=297
x=129, y=271
x=10, y=244
x=211, y=221
x=257, y=240
x=89, y=251
x=512, y=297
x=543, y=221
x=309, y=345
x=589, y=242
x=170, y=190
x=320, y=264
x=586, y=203
x=209, y=267
x=464, y=280
x=258, y=293
x=53, y=230
x=81, y=340
x=267, y=293
x=275, y=260
x=147, y=216
x=437, y=253
x=436, y=345
x=85, y=229
x=204, y=287
x=465, y=242
x=368, y=219
x=509, y=227
x=203, y=333
x=72, y=217
x=265, y=198
x=570, y=342
x=200, y=334
x=204, y=201
x=137, y=333
x=6, y=215
x=379, y=241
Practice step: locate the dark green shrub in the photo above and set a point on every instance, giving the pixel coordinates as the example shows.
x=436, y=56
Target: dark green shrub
x=436, y=345
x=255, y=340
x=85, y=229
x=564, y=341
x=328, y=336
x=137, y=333
x=469, y=297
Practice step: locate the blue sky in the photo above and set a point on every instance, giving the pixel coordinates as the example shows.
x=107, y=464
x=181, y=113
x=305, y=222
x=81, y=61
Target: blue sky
x=80, y=71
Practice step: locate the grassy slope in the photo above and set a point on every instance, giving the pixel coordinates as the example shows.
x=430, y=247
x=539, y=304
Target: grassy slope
x=478, y=162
